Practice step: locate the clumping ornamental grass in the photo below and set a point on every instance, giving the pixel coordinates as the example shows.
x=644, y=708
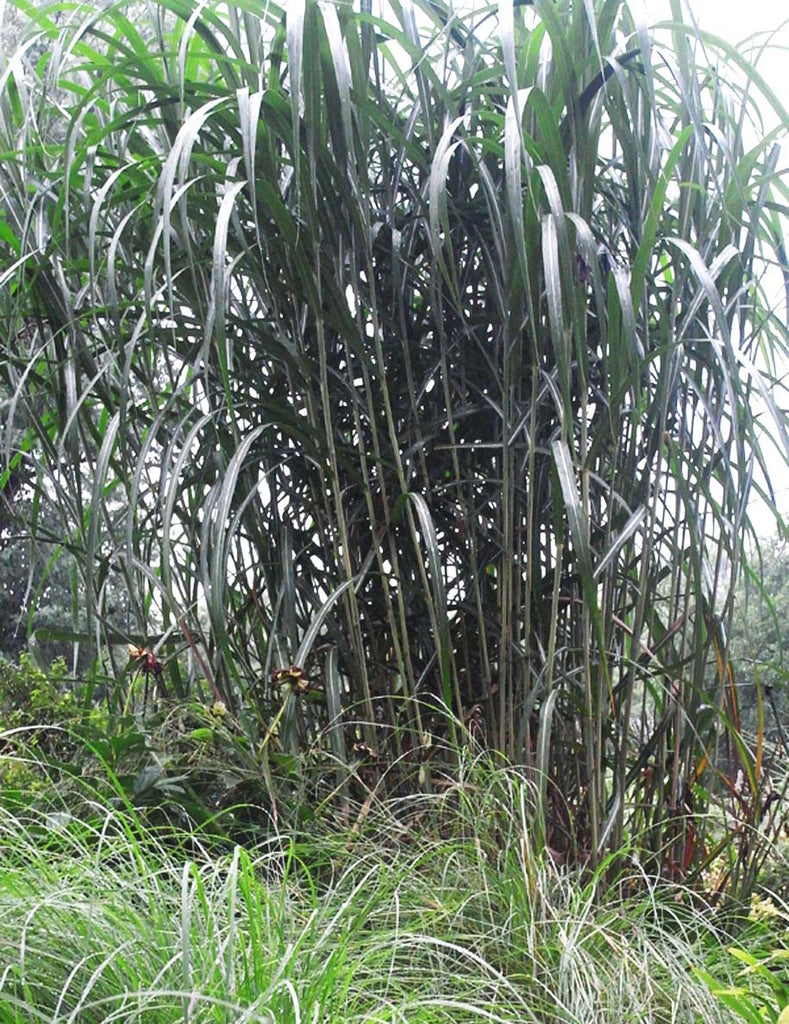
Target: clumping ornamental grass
x=429, y=351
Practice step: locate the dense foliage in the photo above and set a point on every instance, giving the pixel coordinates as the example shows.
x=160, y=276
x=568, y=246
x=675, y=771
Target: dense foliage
x=418, y=354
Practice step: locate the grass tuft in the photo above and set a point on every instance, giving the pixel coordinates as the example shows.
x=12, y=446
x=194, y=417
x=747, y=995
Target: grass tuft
x=433, y=910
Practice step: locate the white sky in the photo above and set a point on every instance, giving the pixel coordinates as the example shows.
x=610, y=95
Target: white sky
x=735, y=20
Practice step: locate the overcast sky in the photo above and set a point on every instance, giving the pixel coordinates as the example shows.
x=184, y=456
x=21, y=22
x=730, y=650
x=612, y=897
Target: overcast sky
x=733, y=19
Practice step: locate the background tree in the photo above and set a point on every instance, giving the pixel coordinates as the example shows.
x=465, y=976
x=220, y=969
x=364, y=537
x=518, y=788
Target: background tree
x=760, y=636
x=33, y=594
x=420, y=353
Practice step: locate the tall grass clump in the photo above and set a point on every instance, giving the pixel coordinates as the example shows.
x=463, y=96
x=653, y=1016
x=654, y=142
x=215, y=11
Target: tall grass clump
x=399, y=377
x=434, y=912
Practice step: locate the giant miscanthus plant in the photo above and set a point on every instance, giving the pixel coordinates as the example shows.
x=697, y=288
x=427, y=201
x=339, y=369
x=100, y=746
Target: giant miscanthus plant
x=428, y=351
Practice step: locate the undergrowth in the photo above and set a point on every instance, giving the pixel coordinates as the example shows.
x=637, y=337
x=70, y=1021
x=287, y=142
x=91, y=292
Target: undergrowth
x=432, y=909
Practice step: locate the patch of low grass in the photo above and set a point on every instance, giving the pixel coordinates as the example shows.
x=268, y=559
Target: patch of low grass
x=427, y=910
